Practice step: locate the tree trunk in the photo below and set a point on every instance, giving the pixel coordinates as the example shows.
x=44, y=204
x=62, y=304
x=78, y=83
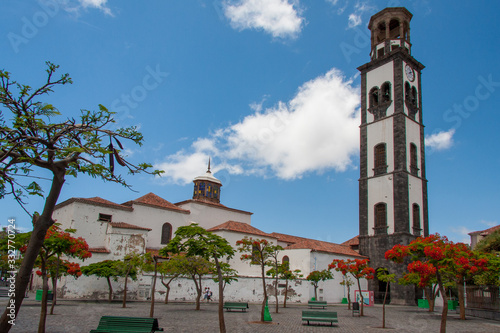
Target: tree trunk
x=167, y=285
x=361, y=313
x=315, y=293
x=198, y=291
x=461, y=299
x=276, y=291
x=54, y=286
x=444, y=314
x=124, y=304
x=286, y=293
x=265, y=293
x=348, y=297
x=110, y=295
x=40, y=228
x=45, y=291
x=383, y=305
x=222, y=323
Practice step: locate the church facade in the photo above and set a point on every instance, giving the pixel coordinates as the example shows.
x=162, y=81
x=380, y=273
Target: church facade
x=147, y=224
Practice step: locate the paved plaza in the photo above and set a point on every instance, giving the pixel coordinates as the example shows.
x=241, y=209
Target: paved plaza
x=82, y=316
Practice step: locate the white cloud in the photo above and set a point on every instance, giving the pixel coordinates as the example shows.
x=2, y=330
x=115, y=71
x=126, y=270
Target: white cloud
x=315, y=131
x=354, y=20
x=440, y=141
x=98, y=4
x=462, y=234
x=278, y=17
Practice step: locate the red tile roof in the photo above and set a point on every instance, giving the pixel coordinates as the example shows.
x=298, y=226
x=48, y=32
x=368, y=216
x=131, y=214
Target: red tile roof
x=214, y=204
x=99, y=250
x=127, y=226
x=352, y=242
x=485, y=232
x=95, y=201
x=153, y=200
x=239, y=227
x=315, y=245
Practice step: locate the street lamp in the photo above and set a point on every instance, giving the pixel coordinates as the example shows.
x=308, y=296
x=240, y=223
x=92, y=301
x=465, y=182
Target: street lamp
x=156, y=259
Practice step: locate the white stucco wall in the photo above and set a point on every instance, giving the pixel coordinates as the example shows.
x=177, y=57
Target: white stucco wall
x=210, y=216
x=380, y=189
x=380, y=132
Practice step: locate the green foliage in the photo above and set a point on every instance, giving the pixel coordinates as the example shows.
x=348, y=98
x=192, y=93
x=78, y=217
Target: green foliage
x=30, y=140
x=317, y=276
x=489, y=244
x=103, y=269
x=196, y=241
x=384, y=276
x=228, y=274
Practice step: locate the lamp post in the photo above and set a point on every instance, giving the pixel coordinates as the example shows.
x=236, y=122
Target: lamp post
x=156, y=259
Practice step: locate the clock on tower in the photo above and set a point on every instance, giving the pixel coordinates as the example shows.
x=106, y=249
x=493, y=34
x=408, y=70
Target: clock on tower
x=392, y=184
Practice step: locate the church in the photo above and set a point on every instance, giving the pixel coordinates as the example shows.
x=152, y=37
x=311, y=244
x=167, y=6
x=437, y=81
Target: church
x=393, y=205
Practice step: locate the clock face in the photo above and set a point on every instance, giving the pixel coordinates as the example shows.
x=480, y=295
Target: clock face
x=410, y=74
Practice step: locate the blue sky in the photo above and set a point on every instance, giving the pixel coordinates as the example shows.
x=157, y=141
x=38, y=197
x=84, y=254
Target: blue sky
x=270, y=91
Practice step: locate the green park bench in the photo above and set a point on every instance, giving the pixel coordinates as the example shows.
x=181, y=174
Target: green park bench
x=317, y=304
x=236, y=306
x=323, y=316
x=127, y=324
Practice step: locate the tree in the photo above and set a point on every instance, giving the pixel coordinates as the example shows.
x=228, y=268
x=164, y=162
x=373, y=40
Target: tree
x=195, y=241
x=107, y=269
x=257, y=252
x=129, y=267
x=57, y=268
x=358, y=268
x=347, y=282
x=274, y=271
x=436, y=256
x=489, y=244
x=315, y=277
x=56, y=244
x=384, y=276
x=228, y=275
x=284, y=273
x=170, y=270
x=430, y=288
x=30, y=142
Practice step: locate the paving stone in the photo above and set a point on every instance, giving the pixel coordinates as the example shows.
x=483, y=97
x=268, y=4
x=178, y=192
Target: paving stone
x=83, y=316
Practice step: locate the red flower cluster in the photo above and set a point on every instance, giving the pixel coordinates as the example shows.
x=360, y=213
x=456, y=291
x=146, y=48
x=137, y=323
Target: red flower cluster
x=425, y=270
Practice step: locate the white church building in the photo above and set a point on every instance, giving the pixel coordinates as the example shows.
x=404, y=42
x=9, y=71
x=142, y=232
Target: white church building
x=146, y=224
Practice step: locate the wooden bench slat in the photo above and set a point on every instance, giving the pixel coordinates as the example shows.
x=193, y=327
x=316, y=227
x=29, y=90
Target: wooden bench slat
x=322, y=316
x=127, y=324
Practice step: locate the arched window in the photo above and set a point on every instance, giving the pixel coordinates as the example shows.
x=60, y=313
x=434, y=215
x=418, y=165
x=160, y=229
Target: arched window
x=374, y=97
x=414, y=96
x=386, y=92
x=413, y=159
x=166, y=233
x=416, y=220
x=394, y=31
x=286, y=261
x=380, y=159
x=380, y=218
x=407, y=91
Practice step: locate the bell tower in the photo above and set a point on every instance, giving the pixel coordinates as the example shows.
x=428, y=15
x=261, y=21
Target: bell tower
x=392, y=183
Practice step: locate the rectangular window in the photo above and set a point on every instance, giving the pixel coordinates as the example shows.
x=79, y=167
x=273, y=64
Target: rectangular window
x=104, y=217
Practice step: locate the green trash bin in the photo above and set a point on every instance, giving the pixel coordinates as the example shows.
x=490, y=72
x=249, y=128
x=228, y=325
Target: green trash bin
x=423, y=303
x=344, y=300
x=39, y=293
x=452, y=304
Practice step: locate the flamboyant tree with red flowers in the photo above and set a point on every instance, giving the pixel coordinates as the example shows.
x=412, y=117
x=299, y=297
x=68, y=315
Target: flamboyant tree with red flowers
x=57, y=243
x=436, y=256
x=258, y=252
x=358, y=268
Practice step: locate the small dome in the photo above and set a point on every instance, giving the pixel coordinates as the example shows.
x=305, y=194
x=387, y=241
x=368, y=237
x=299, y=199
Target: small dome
x=209, y=177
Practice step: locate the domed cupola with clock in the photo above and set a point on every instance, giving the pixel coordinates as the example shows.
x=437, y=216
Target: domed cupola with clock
x=392, y=185
x=207, y=187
